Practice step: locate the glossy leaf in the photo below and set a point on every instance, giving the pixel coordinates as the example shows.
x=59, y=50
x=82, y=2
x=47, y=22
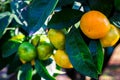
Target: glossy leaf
x=115, y=19
x=65, y=18
x=102, y=5
x=107, y=55
x=81, y=1
x=35, y=14
x=109, y=50
x=5, y=61
x=79, y=54
x=5, y=38
x=25, y=72
x=36, y=77
x=42, y=71
x=14, y=65
x=20, y=11
x=47, y=62
x=3, y=64
x=5, y=19
x=97, y=54
x=62, y=3
x=117, y=4
x=9, y=48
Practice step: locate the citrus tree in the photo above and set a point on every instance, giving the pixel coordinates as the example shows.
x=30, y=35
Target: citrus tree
x=39, y=37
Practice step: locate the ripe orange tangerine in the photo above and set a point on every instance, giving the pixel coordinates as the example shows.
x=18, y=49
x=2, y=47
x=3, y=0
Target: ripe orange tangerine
x=94, y=24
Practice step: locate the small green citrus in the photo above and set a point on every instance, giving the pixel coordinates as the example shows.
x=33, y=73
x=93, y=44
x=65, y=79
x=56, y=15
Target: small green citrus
x=44, y=50
x=35, y=40
x=26, y=51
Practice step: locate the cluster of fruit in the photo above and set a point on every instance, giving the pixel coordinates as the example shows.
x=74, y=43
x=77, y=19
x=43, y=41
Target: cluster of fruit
x=95, y=25
x=44, y=47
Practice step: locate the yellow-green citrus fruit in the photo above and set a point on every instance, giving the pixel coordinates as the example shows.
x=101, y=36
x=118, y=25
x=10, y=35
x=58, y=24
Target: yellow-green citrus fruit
x=26, y=51
x=61, y=59
x=94, y=24
x=57, y=38
x=111, y=38
x=44, y=50
x=44, y=38
x=35, y=40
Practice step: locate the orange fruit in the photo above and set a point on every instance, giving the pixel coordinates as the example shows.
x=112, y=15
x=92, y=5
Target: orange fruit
x=26, y=51
x=57, y=38
x=62, y=59
x=111, y=38
x=94, y=24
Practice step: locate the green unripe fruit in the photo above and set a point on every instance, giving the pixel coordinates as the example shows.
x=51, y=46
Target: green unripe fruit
x=26, y=51
x=44, y=50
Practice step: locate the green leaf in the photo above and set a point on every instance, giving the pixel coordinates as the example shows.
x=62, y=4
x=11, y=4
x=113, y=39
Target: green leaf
x=4, y=14
x=47, y=62
x=39, y=11
x=42, y=71
x=2, y=63
x=97, y=54
x=79, y=54
x=9, y=48
x=35, y=14
x=102, y=5
x=62, y=3
x=115, y=19
x=5, y=20
x=14, y=65
x=117, y=4
x=109, y=50
x=5, y=38
x=5, y=61
x=36, y=77
x=65, y=18
x=25, y=72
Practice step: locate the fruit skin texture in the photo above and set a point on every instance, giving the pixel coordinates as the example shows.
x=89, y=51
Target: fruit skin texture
x=57, y=38
x=26, y=51
x=111, y=38
x=45, y=50
x=61, y=59
x=94, y=24
x=35, y=40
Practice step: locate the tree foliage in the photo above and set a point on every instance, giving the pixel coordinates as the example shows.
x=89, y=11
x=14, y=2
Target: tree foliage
x=29, y=16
